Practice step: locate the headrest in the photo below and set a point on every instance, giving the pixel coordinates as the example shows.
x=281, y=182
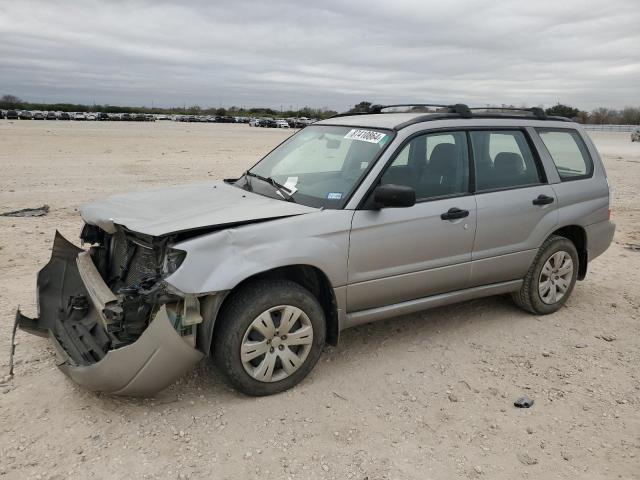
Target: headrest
x=444, y=158
x=508, y=163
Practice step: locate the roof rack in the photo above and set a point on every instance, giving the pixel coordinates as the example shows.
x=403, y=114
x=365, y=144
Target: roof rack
x=459, y=108
x=537, y=111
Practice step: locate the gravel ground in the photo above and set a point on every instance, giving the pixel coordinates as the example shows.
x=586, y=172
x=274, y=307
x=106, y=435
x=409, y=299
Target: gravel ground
x=425, y=396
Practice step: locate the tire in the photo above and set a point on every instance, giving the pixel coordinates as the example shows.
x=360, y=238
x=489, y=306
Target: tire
x=236, y=331
x=529, y=297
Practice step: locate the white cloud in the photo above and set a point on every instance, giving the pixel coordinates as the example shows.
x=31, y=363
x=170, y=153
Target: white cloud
x=330, y=53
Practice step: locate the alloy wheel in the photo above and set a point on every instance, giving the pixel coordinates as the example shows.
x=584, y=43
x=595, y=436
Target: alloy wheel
x=555, y=277
x=276, y=343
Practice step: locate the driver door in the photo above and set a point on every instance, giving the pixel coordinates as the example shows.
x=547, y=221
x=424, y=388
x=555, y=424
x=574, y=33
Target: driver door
x=401, y=254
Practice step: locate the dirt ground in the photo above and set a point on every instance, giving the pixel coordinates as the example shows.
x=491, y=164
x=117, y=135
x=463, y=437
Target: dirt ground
x=425, y=396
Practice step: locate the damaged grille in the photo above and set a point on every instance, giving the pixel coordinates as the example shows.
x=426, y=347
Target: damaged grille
x=129, y=262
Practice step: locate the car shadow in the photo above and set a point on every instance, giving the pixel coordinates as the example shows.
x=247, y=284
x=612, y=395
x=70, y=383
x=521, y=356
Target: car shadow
x=206, y=383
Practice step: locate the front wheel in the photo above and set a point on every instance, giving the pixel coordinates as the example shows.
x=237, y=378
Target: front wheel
x=270, y=336
x=551, y=277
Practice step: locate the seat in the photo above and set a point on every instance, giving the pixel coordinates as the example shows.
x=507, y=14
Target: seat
x=440, y=175
x=508, y=170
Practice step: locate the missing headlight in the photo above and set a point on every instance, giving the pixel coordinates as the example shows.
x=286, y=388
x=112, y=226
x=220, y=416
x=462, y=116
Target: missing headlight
x=173, y=260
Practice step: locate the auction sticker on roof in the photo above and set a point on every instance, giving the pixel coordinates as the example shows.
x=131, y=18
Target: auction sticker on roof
x=365, y=135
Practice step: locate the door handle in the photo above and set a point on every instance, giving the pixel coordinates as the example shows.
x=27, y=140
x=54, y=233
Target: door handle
x=542, y=200
x=454, y=213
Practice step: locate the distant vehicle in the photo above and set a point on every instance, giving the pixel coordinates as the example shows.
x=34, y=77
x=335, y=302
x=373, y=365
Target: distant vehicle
x=102, y=117
x=37, y=115
x=1, y=114
x=268, y=123
x=298, y=122
x=140, y=117
x=79, y=116
x=51, y=116
x=12, y=115
x=162, y=117
x=126, y=117
x=280, y=123
x=25, y=115
x=115, y=117
x=254, y=122
x=92, y=116
x=150, y=117
x=225, y=119
x=64, y=116
x=635, y=135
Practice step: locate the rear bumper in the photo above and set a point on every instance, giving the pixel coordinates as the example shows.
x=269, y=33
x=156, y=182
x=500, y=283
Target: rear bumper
x=70, y=302
x=599, y=237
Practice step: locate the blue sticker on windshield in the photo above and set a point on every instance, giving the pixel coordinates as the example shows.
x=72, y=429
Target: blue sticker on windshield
x=334, y=196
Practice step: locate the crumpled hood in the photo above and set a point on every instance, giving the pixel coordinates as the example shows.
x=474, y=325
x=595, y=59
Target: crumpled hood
x=188, y=207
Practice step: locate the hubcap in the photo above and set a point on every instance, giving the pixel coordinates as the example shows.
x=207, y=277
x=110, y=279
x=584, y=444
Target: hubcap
x=555, y=277
x=276, y=343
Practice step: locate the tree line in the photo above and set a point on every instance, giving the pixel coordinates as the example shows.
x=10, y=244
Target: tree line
x=11, y=102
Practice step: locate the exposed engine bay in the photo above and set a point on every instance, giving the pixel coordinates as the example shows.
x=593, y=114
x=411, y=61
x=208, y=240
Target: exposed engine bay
x=133, y=266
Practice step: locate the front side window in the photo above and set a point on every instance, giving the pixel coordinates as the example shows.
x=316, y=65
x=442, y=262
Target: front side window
x=503, y=159
x=434, y=165
x=319, y=166
x=569, y=153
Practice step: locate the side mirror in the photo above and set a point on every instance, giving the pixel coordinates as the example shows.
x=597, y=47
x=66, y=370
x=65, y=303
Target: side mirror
x=394, y=196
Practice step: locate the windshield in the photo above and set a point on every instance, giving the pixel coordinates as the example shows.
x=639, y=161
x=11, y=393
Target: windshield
x=319, y=166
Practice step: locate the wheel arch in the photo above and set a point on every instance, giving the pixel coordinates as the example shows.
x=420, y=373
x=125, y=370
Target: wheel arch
x=578, y=236
x=307, y=276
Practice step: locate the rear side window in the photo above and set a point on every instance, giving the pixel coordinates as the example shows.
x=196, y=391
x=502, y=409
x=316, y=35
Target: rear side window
x=503, y=159
x=569, y=153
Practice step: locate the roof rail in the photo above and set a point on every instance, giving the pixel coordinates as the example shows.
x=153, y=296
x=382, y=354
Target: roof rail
x=459, y=108
x=537, y=112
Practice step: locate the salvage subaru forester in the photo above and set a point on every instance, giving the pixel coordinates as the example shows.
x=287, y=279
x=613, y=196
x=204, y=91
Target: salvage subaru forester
x=357, y=218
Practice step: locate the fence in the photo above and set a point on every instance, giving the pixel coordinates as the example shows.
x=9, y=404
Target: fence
x=610, y=128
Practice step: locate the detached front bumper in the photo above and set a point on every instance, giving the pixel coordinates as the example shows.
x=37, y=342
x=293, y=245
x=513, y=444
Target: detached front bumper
x=71, y=296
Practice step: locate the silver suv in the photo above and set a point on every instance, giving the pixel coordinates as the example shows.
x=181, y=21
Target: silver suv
x=354, y=219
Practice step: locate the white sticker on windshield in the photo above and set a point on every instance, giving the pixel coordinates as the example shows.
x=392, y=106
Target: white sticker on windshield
x=365, y=135
x=291, y=183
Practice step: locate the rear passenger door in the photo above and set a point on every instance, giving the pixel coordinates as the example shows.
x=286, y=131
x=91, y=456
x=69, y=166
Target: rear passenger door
x=516, y=207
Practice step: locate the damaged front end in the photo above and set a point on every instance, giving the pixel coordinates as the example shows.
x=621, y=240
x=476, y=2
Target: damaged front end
x=117, y=326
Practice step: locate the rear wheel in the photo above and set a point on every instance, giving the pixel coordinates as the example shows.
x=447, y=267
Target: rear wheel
x=270, y=336
x=551, y=277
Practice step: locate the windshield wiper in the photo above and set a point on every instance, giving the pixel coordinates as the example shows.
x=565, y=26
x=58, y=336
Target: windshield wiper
x=284, y=191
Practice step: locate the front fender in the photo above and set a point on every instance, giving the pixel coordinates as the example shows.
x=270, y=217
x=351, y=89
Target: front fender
x=221, y=260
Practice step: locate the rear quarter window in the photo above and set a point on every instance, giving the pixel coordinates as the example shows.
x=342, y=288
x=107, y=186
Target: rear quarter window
x=569, y=153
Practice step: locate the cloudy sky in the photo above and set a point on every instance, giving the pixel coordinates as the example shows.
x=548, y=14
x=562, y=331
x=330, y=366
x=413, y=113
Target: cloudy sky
x=329, y=53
